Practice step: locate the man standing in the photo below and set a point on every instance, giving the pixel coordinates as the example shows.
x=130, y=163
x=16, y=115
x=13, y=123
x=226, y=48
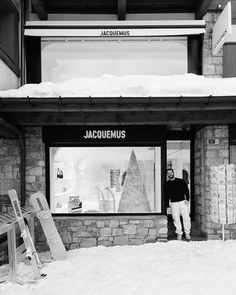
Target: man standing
x=177, y=197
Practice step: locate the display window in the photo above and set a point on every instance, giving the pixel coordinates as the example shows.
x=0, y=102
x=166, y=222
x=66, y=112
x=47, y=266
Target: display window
x=111, y=179
x=71, y=58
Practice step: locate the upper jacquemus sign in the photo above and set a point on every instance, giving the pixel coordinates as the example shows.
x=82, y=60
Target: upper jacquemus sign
x=115, y=33
x=105, y=134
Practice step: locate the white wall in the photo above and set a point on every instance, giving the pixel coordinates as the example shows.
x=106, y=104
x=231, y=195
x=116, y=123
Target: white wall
x=139, y=16
x=8, y=80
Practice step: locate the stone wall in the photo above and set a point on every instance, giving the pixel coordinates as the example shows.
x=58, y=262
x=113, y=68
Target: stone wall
x=9, y=166
x=35, y=161
x=91, y=231
x=212, y=65
x=9, y=179
x=211, y=148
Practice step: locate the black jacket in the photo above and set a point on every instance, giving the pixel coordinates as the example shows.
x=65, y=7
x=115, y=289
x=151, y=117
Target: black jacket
x=176, y=190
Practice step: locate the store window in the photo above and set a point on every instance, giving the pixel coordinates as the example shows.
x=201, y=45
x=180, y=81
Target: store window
x=105, y=179
x=69, y=58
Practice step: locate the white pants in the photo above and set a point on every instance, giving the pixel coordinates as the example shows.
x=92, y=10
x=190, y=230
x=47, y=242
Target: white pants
x=177, y=209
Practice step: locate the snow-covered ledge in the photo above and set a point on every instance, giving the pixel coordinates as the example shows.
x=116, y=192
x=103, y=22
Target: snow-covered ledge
x=130, y=86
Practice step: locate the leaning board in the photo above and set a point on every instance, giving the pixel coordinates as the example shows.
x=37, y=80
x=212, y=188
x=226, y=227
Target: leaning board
x=54, y=241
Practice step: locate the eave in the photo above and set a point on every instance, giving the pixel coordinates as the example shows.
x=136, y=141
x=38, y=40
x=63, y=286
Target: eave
x=118, y=110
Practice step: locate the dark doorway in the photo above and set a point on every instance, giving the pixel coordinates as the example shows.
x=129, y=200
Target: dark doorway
x=179, y=158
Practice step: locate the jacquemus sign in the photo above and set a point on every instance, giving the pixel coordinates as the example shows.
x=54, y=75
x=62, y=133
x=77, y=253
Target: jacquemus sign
x=105, y=134
x=115, y=33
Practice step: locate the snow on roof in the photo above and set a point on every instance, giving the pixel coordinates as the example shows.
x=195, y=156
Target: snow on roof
x=129, y=86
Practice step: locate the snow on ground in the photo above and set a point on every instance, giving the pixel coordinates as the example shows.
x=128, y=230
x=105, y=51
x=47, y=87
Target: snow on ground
x=179, y=268
x=129, y=86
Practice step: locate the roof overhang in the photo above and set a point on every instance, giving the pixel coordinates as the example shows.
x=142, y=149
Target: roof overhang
x=122, y=9
x=119, y=110
x=113, y=29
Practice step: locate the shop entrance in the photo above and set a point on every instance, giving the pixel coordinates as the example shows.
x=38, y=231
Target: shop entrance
x=179, y=159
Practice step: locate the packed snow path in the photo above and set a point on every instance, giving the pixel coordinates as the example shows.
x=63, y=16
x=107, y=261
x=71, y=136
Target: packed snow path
x=176, y=267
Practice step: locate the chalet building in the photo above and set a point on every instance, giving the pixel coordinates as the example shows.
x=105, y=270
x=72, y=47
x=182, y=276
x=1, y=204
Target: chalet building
x=101, y=161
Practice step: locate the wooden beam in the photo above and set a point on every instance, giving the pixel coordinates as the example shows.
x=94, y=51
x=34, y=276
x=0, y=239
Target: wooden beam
x=117, y=104
x=41, y=8
x=73, y=108
x=8, y=130
x=121, y=9
x=201, y=8
x=132, y=117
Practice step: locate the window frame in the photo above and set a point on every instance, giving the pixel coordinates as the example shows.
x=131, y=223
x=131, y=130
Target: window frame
x=11, y=28
x=126, y=54
x=33, y=53
x=74, y=142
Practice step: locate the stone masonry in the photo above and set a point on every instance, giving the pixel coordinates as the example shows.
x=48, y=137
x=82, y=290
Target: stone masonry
x=212, y=65
x=91, y=231
x=211, y=148
x=9, y=179
x=206, y=153
x=35, y=161
x=9, y=166
x=10, y=172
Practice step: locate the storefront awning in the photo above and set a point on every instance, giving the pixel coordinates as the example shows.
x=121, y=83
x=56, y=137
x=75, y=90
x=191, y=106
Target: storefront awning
x=28, y=111
x=108, y=29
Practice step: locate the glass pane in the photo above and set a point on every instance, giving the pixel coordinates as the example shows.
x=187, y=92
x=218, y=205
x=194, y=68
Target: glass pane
x=178, y=158
x=105, y=179
x=74, y=58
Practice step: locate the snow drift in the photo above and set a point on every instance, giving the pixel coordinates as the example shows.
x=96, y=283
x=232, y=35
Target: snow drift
x=129, y=86
x=161, y=268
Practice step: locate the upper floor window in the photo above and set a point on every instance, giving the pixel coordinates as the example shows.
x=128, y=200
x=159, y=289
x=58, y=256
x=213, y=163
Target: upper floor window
x=9, y=35
x=68, y=58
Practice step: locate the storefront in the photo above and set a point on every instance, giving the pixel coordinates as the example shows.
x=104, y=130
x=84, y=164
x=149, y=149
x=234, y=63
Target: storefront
x=101, y=159
x=104, y=176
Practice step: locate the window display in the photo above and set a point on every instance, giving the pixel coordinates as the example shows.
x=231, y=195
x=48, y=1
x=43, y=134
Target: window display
x=71, y=58
x=105, y=179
